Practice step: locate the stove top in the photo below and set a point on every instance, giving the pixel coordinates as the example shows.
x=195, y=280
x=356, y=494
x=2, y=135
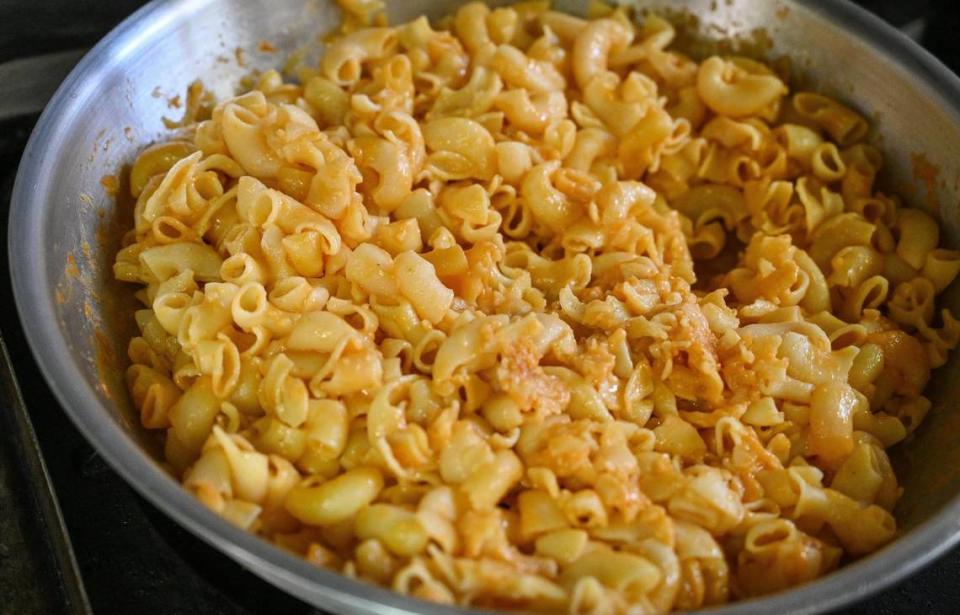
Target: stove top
x=131, y=557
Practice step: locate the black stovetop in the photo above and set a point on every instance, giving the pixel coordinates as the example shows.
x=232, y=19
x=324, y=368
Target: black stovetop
x=131, y=557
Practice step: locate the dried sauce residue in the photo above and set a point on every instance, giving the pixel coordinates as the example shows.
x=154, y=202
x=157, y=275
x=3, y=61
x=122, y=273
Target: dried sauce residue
x=266, y=47
x=103, y=235
x=104, y=354
x=110, y=184
x=927, y=174
x=173, y=102
x=199, y=104
x=96, y=145
x=106, y=360
x=88, y=291
x=71, y=269
x=241, y=56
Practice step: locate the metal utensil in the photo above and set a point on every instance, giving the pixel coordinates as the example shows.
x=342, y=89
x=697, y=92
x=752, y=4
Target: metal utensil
x=43, y=576
x=64, y=229
x=30, y=82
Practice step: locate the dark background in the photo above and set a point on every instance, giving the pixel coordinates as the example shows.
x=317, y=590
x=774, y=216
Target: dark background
x=131, y=557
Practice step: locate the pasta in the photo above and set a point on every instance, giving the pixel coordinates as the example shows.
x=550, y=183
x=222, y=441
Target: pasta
x=525, y=310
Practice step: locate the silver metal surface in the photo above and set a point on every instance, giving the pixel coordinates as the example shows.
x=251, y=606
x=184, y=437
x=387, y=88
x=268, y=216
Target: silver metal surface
x=64, y=232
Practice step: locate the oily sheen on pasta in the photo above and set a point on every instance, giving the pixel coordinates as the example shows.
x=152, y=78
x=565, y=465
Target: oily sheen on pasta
x=525, y=310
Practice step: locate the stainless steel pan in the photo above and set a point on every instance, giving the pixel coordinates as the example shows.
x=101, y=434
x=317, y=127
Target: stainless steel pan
x=64, y=231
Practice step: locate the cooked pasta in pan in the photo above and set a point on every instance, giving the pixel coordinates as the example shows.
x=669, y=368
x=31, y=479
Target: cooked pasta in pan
x=525, y=310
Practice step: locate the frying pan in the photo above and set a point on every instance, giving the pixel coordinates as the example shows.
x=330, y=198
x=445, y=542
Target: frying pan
x=64, y=231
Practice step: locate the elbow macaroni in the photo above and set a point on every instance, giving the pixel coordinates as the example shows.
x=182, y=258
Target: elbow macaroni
x=429, y=318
